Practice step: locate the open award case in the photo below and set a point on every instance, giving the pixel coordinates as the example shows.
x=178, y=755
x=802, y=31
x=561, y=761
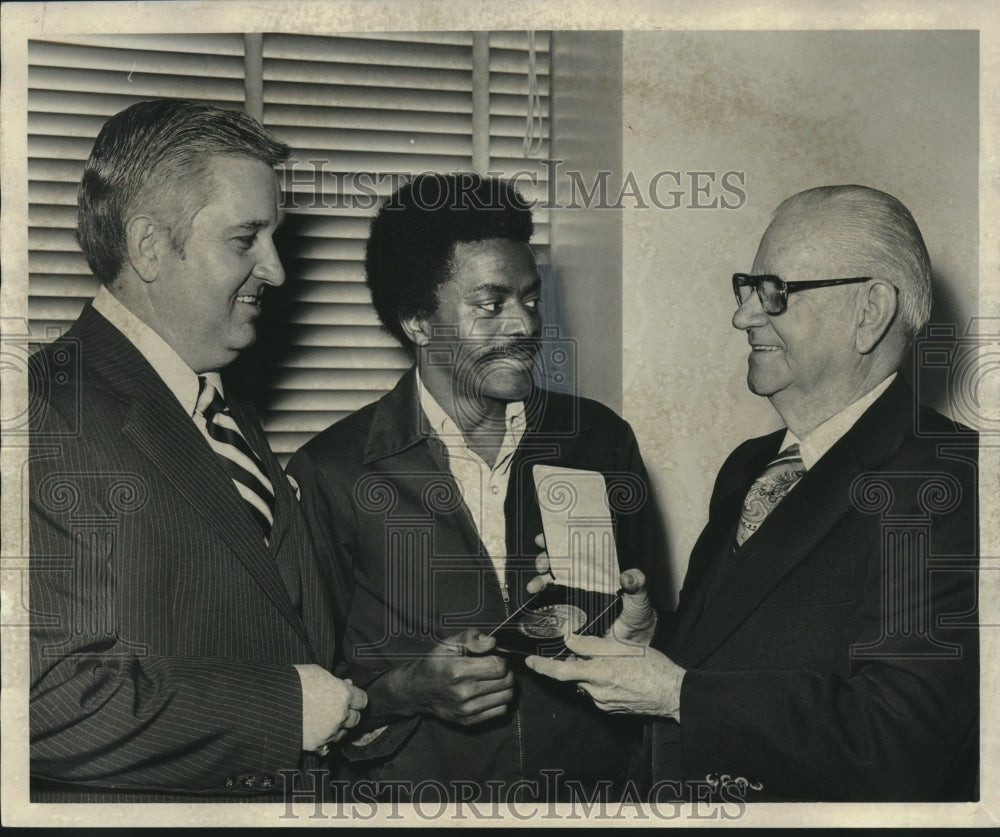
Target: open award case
x=584, y=597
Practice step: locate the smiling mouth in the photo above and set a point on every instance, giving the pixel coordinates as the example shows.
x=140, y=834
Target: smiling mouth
x=249, y=299
x=764, y=348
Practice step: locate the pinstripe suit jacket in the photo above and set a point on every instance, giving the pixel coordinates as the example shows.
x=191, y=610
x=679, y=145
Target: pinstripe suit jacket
x=163, y=629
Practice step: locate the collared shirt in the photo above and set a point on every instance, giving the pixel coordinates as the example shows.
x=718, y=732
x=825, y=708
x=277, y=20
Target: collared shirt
x=180, y=379
x=826, y=435
x=484, y=489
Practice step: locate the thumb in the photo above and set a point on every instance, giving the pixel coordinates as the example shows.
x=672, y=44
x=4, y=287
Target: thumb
x=469, y=641
x=637, y=610
x=633, y=581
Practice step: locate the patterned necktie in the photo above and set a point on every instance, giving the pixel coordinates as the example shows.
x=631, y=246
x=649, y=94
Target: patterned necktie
x=768, y=489
x=236, y=456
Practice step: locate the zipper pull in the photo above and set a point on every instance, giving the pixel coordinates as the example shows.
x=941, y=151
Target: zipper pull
x=504, y=592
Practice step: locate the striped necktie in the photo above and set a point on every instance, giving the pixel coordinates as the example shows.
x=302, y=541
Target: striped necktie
x=236, y=456
x=768, y=489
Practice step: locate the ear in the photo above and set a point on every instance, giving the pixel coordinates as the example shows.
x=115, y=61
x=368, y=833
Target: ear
x=144, y=242
x=417, y=329
x=878, y=307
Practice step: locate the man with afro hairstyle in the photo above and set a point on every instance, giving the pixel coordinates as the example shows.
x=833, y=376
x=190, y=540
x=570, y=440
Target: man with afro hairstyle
x=423, y=506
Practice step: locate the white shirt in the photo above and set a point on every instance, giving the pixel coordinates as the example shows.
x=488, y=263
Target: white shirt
x=826, y=435
x=484, y=489
x=180, y=379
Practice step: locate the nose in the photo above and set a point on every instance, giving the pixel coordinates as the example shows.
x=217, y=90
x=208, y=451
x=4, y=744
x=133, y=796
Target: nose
x=749, y=314
x=523, y=321
x=268, y=266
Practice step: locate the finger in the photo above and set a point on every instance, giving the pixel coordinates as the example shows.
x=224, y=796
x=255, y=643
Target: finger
x=486, y=667
x=589, y=646
x=488, y=683
x=542, y=565
x=359, y=698
x=488, y=715
x=556, y=669
x=597, y=646
x=352, y=719
x=469, y=641
x=457, y=644
x=538, y=583
x=479, y=643
x=540, y=540
x=633, y=581
x=484, y=703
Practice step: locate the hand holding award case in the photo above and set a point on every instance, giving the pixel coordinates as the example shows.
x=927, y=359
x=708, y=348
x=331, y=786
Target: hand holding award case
x=583, y=561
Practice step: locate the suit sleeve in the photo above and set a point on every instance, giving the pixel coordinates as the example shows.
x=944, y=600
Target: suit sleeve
x=105, y=711
x=333, y=528
x=641, y=539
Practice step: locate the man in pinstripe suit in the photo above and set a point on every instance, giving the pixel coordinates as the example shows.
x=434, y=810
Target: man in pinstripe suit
x=177, y=651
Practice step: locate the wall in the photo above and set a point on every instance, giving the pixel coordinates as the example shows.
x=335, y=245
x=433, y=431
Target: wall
x=586, y=102
x=791, y=110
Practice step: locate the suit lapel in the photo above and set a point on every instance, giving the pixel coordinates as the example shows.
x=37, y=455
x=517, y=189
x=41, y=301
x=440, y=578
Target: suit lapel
x=157, y=425
x=793, y=531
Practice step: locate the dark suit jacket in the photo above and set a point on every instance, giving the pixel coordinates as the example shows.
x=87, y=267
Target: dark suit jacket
x=408, y=568
x=834, y=655
x=163, y=629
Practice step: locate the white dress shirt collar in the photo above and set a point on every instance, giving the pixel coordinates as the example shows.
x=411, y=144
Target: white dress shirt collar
x=180, y=379
x=826, y=435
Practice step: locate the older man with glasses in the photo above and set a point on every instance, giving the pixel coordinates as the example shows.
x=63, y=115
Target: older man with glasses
x=825, y=646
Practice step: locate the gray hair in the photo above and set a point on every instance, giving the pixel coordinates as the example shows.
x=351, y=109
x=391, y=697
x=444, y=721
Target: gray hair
x=159, y=149
x=884, y=240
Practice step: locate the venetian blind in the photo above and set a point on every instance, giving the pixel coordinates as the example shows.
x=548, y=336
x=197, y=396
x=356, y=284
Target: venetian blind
x=74, y=86
x=360, y=112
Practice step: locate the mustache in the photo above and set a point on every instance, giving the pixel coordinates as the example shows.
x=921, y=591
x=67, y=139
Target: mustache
x=522, y=350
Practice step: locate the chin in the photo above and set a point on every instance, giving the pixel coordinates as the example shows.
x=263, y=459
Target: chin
x=507, y=384
x=760, y=387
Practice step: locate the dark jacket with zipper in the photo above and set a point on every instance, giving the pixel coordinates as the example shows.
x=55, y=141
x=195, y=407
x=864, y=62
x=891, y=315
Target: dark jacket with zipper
x=407, y=568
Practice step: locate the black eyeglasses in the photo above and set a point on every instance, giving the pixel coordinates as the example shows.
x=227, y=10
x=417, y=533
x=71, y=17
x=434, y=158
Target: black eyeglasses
x=773, y=292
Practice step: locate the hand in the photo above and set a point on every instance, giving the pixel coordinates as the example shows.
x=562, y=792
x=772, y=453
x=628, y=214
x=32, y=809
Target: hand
x=459, y=680
x=542, y=567
x=619, y=677
x=637, y=621
x=330, y=706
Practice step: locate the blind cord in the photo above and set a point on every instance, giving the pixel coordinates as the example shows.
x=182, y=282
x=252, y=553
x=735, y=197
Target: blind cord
x=535, y=127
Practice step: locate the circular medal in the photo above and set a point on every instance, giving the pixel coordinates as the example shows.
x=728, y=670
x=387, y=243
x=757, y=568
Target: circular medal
x=552, y=621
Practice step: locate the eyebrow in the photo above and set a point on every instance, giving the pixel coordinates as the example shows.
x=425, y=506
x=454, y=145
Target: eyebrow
x=491, y=288
x=253, y=226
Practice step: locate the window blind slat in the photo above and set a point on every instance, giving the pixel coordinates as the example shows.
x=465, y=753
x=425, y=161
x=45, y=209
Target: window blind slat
x=107, y=104
x=431, y=49
x=368, y=75
x=137, y=84
x=321, y=144
x=132, y=62
x=347, y=96
x=334, y=357
x=334, y=115
x=339, y=337
x=214, y=45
